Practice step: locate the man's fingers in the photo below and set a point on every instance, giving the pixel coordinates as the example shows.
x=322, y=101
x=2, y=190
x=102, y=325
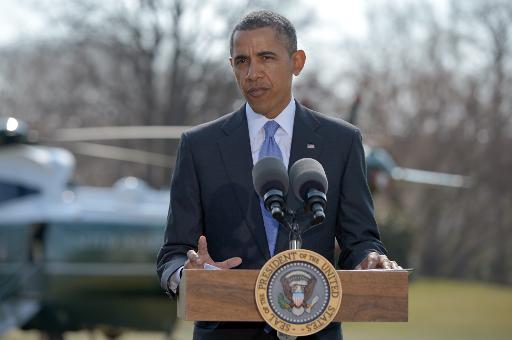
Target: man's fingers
x=202, y=247
x=192, y=255
x=384, y=262
x=193, y=258
x=373, y=260
x=229, y=263
x=370, y=262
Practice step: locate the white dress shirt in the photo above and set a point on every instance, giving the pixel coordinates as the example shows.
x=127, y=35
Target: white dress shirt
x=283, y=138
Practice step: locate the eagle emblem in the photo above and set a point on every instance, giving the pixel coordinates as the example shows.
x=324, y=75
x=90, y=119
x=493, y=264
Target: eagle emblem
x=298, y=292
x=298, y=287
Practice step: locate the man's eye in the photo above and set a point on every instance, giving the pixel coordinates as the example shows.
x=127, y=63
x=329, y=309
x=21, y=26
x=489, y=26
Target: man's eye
x=241, y=61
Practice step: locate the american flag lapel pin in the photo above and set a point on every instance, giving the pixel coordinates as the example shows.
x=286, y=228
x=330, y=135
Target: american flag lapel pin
x=310, y=146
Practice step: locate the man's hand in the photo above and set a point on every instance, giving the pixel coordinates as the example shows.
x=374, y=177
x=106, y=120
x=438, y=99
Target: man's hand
x=376, y=261
x=197, y=260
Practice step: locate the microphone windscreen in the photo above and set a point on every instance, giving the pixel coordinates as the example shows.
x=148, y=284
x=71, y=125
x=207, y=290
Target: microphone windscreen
x=307, y=174
x=269, y=173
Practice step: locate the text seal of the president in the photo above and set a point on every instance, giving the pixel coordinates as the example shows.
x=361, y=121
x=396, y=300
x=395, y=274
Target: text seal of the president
x=298, y=292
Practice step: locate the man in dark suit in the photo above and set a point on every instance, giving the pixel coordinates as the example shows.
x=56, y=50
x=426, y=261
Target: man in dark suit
x=214, y=208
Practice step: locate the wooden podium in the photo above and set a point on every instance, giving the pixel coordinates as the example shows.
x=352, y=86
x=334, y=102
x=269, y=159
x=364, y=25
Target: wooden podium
x=228, y=295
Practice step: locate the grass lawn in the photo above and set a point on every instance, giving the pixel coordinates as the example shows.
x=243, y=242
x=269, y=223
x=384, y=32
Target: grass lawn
x=438, y=309
x=446, y=310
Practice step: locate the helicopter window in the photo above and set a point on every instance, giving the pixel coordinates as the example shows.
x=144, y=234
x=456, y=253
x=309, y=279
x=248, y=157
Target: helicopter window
x=11, y=191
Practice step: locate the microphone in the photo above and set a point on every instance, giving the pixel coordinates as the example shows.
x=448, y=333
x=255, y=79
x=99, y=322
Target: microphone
x=270, y=180
x=309, y=184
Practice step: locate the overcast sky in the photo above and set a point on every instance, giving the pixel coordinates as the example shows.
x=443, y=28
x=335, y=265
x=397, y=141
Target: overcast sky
x=18, y=20
x=337, y=21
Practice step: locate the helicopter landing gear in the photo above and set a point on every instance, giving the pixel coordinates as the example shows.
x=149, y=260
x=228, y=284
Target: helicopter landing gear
x=52, y=336
x=112, y=333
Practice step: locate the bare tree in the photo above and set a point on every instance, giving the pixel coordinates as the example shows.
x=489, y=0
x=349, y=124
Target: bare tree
x=434, y=94
x=143, y=62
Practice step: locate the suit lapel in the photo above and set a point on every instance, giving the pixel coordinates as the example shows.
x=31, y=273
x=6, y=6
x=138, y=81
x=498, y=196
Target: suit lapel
x=306, y=143
x=236, y=154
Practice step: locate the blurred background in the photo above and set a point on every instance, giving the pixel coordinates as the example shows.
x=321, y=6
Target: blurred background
x=82, y=210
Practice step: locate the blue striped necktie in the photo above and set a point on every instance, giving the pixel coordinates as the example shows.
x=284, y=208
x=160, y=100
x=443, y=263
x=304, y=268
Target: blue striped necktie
x=269, y=148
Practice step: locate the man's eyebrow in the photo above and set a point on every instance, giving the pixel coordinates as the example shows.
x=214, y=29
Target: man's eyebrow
x=259, y=54
x=266, y=53
x=239, y=56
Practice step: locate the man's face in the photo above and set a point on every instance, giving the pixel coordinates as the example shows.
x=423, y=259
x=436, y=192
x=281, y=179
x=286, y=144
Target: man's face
x=264, y=69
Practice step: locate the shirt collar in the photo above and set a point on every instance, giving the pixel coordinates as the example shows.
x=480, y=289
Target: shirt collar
x=284, y=119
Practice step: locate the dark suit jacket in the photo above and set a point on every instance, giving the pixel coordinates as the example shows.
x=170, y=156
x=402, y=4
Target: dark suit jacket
x=212, y=194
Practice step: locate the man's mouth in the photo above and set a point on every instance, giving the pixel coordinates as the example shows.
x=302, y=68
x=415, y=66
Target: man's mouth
x=256, y=92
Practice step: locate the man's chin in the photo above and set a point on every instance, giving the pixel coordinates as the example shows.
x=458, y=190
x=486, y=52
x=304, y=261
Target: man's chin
x=258, y=107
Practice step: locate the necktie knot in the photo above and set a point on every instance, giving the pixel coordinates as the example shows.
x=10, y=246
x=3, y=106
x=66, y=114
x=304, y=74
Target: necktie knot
x=269, y=148
x=270, y=128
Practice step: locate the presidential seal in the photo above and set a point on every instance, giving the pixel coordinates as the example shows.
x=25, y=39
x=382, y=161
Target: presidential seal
x=298, y=292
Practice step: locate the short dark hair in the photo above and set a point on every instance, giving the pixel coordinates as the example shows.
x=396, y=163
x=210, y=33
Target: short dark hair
x=258, y=19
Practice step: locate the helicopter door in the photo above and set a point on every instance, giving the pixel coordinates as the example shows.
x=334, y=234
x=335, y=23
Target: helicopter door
x=11, y=191
x=15, y=273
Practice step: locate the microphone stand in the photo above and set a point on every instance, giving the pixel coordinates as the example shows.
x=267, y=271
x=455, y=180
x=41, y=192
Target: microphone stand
x=295, y=236
x=293, y=220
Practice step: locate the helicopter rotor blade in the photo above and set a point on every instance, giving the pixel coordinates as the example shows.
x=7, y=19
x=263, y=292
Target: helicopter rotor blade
x=119, y=132
x=123, y=154
x=430, y=177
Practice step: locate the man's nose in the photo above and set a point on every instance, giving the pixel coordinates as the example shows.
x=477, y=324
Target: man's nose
x=254, y=71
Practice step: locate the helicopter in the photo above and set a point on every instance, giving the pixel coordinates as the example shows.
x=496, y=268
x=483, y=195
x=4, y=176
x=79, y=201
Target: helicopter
x=78, y=257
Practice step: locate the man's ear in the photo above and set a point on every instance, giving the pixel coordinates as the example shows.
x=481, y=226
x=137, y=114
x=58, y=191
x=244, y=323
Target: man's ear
x=231, y=61
x=298, y=60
